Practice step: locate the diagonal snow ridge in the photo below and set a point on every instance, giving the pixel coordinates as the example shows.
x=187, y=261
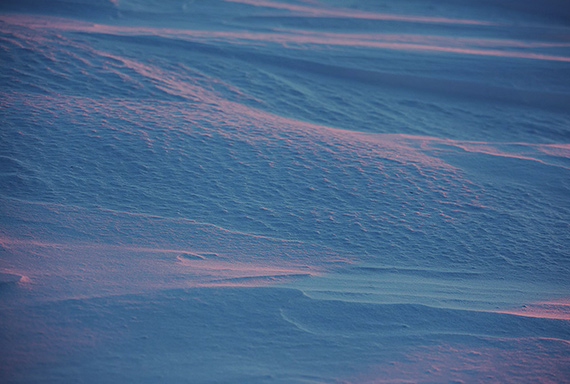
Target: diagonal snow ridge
x=348, y=13
x=284, y=191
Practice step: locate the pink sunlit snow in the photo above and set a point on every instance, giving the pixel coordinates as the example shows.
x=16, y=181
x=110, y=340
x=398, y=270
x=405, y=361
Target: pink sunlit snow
x=293, y=191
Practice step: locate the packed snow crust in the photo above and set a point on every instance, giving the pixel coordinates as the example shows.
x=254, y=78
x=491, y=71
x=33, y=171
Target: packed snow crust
x=281, y=191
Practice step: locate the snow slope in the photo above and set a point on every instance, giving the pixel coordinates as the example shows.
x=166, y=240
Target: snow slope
x=284, y=191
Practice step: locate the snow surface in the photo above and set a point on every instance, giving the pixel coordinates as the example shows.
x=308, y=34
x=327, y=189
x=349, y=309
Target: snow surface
x=281, y=191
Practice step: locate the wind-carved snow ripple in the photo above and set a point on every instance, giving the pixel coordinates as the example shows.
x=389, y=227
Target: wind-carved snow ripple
x=133, y=166
x=160, y=138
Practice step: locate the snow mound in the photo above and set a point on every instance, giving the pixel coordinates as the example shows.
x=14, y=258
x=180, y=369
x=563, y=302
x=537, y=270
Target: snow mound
x=9, y=278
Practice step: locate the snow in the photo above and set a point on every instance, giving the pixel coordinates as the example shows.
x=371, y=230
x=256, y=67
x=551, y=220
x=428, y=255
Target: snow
x=284, y=191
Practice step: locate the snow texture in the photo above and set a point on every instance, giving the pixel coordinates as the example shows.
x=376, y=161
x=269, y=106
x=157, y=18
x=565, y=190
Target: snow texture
x=284, y=191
